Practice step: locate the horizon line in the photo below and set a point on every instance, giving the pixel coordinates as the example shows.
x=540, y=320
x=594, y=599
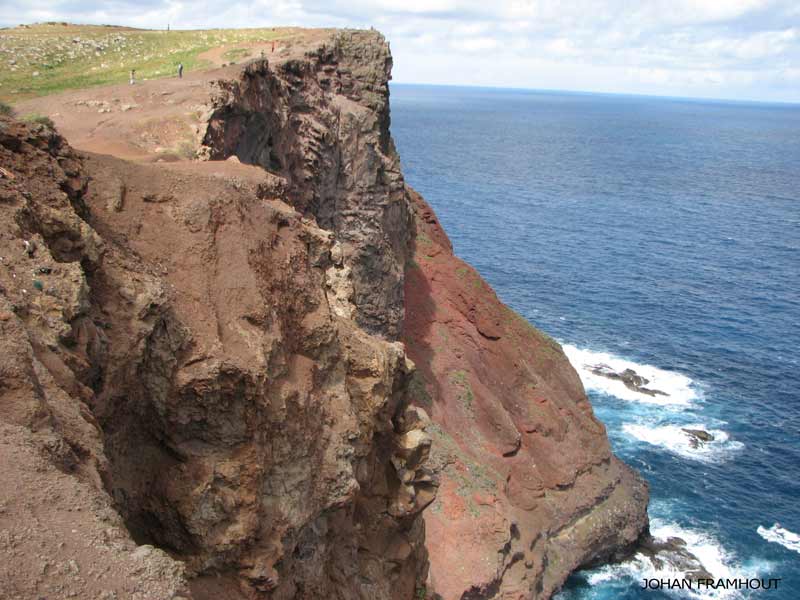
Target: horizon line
x=787, y=103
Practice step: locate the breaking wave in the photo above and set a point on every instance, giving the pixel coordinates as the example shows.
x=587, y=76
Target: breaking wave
x=678, y=387
x=714, y=557
x=779, y=535
x=677, y=441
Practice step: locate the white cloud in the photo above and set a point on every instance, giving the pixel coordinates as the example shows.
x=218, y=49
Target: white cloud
x=733, y=48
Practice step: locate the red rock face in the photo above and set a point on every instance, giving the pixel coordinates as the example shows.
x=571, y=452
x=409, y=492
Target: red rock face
x=529, y=489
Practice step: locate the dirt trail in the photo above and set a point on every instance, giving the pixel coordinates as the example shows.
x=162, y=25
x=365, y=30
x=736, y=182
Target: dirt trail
x=157, y=120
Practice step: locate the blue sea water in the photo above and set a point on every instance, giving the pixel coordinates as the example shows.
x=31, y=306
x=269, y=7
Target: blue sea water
x=661, y=234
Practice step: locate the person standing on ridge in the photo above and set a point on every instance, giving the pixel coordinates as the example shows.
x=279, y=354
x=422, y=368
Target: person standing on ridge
x=133, y=76
x=180, y=70
x=273, y=45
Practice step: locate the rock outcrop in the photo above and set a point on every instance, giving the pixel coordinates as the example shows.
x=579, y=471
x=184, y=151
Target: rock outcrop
x=208, y=387
x=529, y=489
x=632, y=380
x=322, y=123
x=171, y=344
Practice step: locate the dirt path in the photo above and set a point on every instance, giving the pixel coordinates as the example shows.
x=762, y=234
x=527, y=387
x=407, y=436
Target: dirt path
x=158, y=120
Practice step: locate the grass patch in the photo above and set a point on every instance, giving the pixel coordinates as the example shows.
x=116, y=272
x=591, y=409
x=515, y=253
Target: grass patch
x=7, y=110
x=445, y=454
x=423, y=239
x=41, y=59
x=418, y=391
x=549, y=344
x=186, y=150
x=40, y=119
x=236, y=53
x=466, y=396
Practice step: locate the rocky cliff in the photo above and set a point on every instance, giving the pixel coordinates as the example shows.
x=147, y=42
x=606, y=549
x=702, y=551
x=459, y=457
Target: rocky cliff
x=218, y=374
x=529, y=489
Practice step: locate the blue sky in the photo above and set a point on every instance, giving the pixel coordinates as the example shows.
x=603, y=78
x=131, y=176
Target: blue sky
x=735, y=49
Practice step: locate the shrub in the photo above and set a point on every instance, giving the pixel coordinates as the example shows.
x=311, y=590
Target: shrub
x=41, y=120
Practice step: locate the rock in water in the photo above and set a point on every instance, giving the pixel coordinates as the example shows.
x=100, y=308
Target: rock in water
x=698, y=437
x=631, y=379
x=672, y=555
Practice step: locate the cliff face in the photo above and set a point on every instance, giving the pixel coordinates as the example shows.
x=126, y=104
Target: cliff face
x=529, y=489
x=210, y=357
x=322, y=123
x=203, y=369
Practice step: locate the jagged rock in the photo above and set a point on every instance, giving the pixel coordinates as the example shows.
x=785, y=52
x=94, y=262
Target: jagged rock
x=698, y=437
x=631, y=379
x=239, y=431
x=672, y=554
x=331, y=143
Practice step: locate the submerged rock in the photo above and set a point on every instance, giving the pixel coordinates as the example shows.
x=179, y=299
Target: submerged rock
x=673, y=555
x=631, y=379
x=698, y=437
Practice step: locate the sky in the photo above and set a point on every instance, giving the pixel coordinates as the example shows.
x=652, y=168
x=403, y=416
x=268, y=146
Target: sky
x=731, y=49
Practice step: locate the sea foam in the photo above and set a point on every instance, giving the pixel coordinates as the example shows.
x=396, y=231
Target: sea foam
x=677, y=441
x=677, y=386
x=779, y=535
x=715, y=558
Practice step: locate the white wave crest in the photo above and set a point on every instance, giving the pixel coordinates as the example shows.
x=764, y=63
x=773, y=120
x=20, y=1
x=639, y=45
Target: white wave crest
x=677, y=441
x=720, y=563
x=678, y=387
x=779, y=535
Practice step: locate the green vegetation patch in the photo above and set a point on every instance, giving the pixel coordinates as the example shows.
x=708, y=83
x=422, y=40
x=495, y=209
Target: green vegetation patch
x=236, y=53
x=548, y=343
x=465, y=396
x=477, y=477
x=40, y=119
x=418, y=390
x=41, y=59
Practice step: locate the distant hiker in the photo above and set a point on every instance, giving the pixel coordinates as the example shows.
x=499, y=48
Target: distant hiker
x=273, y=45
x=262, y=54
x=133, y=76
x=180, y=70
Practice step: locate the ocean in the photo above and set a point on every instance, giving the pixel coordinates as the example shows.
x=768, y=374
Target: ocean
x=656, y=234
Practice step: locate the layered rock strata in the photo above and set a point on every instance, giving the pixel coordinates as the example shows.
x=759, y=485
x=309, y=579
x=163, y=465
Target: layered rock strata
x=529, y=489
x=215, y=361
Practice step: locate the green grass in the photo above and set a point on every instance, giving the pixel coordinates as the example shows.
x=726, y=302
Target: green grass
x=236, y=53
x=418, y=391
x=445, y=451
x=6, y=110
x=466, y=396
x=40, y=119
x=47, y=58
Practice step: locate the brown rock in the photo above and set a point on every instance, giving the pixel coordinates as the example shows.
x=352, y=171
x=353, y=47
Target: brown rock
x=213, y=368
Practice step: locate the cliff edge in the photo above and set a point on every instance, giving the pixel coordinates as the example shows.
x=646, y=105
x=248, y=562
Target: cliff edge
x=264, y=374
